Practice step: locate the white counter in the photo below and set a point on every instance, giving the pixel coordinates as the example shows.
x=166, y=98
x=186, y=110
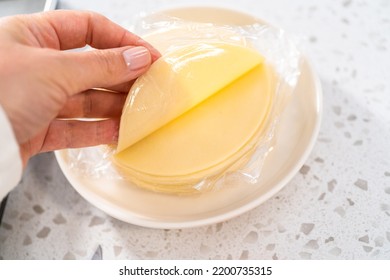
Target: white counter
x=336, y=207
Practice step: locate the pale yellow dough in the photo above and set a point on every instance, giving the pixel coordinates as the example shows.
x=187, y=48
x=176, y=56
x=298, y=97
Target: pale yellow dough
x=179, y=81
x=194, y=117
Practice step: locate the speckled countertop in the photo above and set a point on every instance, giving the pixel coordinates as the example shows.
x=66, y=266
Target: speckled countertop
x=336, y=207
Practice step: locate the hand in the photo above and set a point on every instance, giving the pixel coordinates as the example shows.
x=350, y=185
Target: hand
x=42, y=86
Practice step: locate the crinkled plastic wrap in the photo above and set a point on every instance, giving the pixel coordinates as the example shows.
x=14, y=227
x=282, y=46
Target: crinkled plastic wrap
x=171, y=34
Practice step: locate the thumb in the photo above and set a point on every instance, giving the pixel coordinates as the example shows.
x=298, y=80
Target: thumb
x=103, y=68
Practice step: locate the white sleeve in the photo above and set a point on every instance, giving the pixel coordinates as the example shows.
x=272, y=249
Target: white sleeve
x=11, y=167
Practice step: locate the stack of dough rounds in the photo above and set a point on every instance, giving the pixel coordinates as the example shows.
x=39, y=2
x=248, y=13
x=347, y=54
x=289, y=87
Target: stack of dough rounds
x=197, y=113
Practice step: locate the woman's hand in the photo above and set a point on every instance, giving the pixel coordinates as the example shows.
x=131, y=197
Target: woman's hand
x=42, y=86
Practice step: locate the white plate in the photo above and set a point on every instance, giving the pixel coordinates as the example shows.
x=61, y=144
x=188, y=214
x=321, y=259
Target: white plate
x=298, y=131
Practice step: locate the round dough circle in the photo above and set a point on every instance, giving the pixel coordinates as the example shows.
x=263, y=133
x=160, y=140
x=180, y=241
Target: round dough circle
x=207, y=139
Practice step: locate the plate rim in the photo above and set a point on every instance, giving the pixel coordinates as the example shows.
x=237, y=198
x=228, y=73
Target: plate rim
x=136, y=219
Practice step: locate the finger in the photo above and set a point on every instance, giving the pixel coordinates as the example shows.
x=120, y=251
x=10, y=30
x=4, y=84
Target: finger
x=123, y=87
x=94, y=104
x=64, y=30
x=63, y=134
x=98, y=68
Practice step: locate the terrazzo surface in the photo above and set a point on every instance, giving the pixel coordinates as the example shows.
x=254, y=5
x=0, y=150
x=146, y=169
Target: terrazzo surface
x=336, y=207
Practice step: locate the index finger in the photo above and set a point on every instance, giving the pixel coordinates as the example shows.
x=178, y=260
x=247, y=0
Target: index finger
x=64, y=30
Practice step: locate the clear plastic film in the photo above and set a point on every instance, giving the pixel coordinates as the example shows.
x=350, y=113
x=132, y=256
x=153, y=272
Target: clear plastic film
x=171, y=138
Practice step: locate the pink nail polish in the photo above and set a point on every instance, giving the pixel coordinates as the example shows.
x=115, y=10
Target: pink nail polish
x=137, y=58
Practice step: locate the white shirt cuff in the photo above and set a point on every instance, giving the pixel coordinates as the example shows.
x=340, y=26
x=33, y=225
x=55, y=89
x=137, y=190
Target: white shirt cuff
x=11, y=166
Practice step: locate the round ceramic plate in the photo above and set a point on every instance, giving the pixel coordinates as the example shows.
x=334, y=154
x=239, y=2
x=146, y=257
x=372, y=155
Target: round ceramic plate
x=296, y=136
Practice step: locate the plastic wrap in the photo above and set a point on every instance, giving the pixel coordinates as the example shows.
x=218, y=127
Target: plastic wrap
x=171, y=35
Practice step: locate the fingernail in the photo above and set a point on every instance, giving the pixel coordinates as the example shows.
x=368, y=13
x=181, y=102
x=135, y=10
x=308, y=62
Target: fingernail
x=137, y=58
x=154, y=52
